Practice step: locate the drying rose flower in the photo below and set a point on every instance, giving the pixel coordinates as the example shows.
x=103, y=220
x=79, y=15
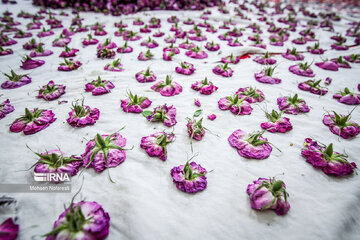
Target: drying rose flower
x=105, y=151
x=164, y=114
x=315, y=49
x=167, y=55
x=68, y=31
x=69, y=65
x=61, y=41
x=293, y=55
x=145, y=56
x=211, y=46
x=189, y=178
x=302, y=69
x=155, y=22
x=114, y=66
x=22, y=34
x=9, y=230
x=125, y=49
x=230, y=59
x=252, y=146
x=196, y=53
x=258, y=44
x=292, y=105
x=100, y=32
x=107, y=44
x=68, y=52
x=205, y=87
x=80, y=221
x=339, y=46
x=323, y=157
x=276, y=41
x=212, y=117
x=145, y=76
x=33, y=25
x=120, y=32
x=155, y=144
x=276, y=123
x=29, y=63
x=235, y=43
x=347, y=97
x=138, y=22
x=5, y=108
x=158, y=34
x=40, y=52
x=31, y=44
x=170, y=39
x=235, y=105
x=4, y=52
x=6, y=41
x=341, y=125
x=131, y=36
x=150, y=43
x=187, y=44
x=135, y=104
x=198, y=37
x=82, y=115
x=211, y=29
x=171, y=48
x=45, y=33
x=189, y=21
x=97, y=25
x=341, y=62
x=265, y=76
x=51, y=91
x=265, y=60
x=299, y=41
x=223, y=70
x=195, y=129
x=105, y=53
x=252, y=95
x=353, y=58
x=33, y=121
x=90, y=41
x=267, y=193
x=14, y=80
x=99, y=86
x=167, y=88
x=185, y=68
x=313, y=87
x=54, y=161
x=328, y=65
x=145, y=29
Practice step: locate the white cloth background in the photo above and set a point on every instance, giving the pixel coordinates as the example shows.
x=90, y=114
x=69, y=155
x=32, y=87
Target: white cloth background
x=144, y=202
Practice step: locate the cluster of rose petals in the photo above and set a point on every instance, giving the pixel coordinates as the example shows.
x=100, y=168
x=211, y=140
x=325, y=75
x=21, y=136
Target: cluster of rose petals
x=84, y=120
x=167, y=90
x=263, y=78
x=51, y=91
x=185, y=68
x=288, y=55
x=115, y=156
x=16, y=83
x=349, y=130
x=242, y=108
x=328, y=65
x=203, y=87
x=301, y=72
x=45, y=118
x=316, y=156
x=142, y=77
x=238, y=140
x=9, y=229
x=223, y=71
x=168, y=115
x=96, y=227
x=134, y=108
x=71, y=167
x=264, y=61
x=5, y=108
x=190, y=186
x=242, y=92
x=29, y=63
x=290, y=108
x=262, y=198
x=96, y=89
x=155, y=144
x=306, y=86
x=347, y=98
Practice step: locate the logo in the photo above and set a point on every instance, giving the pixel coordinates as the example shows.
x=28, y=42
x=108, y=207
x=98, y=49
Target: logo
x=51, y=177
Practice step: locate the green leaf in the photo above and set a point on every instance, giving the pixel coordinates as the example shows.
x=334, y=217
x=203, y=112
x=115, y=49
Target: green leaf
x=146, y=113
x=197, y=113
